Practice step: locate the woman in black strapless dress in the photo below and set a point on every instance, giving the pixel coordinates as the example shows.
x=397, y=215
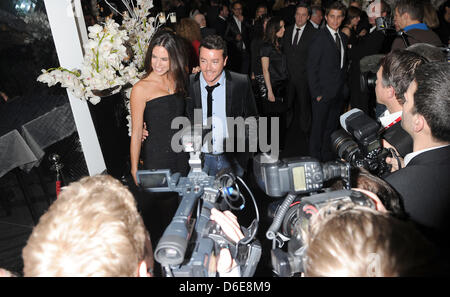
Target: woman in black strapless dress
x=156, y=100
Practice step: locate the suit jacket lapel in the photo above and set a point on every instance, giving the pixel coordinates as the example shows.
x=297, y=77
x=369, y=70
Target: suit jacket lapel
x=197, y=92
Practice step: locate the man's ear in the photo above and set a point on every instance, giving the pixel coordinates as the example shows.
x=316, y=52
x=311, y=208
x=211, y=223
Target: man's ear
x=225, y=61
x=419, y=122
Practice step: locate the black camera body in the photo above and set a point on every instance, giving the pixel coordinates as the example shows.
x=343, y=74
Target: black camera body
x=359, y=142
x=190, y=244
x=304, y=196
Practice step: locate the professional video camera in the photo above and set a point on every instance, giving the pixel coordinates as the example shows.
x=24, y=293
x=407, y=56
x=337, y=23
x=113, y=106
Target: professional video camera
x=298, y=178
x=359, y=142
x=191, y=243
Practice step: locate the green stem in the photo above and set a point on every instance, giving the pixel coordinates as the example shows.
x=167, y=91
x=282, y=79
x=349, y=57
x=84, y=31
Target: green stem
x=76, y=73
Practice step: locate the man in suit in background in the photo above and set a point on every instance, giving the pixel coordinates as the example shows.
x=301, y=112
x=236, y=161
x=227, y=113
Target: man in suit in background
x=316, y=16
x=326, y=71
x=204, y=30
x=296, y=42
x=424, y=181
x=220, y=94
x=238, y=37
x=220, y=24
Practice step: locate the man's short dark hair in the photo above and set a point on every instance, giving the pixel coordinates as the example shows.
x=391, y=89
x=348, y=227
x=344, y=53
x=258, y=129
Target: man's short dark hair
x=337, y=5
x=414, y=8
x=399, y=67
x=304, y=5
x=215, y=42
x=432, y=98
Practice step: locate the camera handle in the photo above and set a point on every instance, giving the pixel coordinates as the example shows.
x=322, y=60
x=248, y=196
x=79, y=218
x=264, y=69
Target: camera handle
x=271, y=234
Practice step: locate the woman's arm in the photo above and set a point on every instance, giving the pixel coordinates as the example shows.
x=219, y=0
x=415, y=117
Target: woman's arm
x=137, y=106
x=265, y=68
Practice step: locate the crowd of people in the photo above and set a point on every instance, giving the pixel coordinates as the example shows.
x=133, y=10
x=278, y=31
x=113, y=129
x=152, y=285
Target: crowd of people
x=299, y=62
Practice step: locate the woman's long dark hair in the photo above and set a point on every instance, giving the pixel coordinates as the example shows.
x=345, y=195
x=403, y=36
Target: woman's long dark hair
x=177, y=57
x=272, y=28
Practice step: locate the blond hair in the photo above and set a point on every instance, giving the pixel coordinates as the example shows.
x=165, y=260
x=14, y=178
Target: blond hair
x=92, y=229
x=357, y=241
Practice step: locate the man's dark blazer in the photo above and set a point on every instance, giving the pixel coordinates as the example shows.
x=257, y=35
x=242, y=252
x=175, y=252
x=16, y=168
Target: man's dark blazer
x=238, y=57
x=325, y=75
x=221, y=26
x=424, y=185
x=326, y=78
x=240, y=102
x=296, y=57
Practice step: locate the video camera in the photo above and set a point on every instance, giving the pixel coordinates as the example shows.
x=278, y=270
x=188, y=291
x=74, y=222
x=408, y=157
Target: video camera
x=359, y=142
x=191, y=243
x=298, y=178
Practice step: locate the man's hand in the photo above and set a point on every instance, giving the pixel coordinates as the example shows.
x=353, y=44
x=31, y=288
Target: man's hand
x=196, y=70
x=228, y=222
x=393, y=160
x=319, y=98
x=144, y=132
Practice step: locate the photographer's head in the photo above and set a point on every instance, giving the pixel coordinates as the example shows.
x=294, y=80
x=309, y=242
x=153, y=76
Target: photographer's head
x=382, y=194
x=92, y=229
x=426, y=112
x=395, y=74
x=408, y=12
x=357, y=241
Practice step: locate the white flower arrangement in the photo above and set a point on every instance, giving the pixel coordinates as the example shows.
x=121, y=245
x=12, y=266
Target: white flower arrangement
x=108, y=64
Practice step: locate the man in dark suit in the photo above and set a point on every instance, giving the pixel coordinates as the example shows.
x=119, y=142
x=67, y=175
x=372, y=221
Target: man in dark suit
x=220, y=23
x=326, y=71
x=238, y=37
x=295, y=44
x=424, y=181
x=222, y=96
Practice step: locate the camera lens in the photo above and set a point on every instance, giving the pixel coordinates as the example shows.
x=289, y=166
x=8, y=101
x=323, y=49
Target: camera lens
x=343, y=144
x=368, y=81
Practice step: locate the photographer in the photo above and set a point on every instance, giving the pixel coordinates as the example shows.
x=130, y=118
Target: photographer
x=95, y=229
x=423, y=182
x=356, y=241
x=395, y=74
x=408, y=20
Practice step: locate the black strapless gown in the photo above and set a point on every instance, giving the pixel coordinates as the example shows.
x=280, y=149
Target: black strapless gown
x=157, y=152
x=158, y=209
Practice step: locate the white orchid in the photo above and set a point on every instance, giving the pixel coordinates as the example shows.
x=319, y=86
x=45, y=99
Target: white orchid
x=106, y=64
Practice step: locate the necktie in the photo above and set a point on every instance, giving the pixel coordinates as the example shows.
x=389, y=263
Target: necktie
x=338, y=43
x=295, y=41
x=209, y=98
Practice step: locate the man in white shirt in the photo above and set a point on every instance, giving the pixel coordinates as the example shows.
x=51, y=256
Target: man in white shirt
x=316, y=16
x=395, y=74
x=327, y=77
x=424, y=182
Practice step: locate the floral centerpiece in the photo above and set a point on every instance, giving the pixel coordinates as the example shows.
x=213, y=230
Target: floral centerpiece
x=113, y=56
